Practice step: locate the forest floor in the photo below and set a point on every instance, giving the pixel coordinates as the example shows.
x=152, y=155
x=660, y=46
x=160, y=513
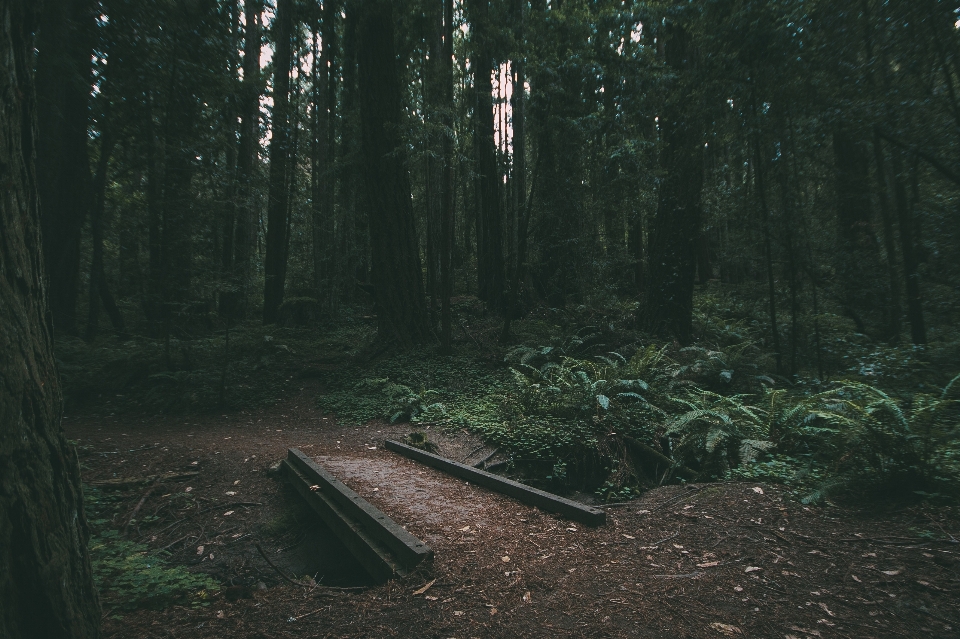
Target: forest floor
x=704, y=560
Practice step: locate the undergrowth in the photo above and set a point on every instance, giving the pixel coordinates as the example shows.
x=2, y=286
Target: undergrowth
x=128, y=574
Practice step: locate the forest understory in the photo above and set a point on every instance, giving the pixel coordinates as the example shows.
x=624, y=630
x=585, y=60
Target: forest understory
x=698, y=560
x=794, y=534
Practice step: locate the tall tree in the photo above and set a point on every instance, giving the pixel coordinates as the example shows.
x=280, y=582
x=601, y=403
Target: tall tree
x=490, y=276
x=46, y=582
x=248, y=153
x=397, y=277
x=64, y=71
x=278, y=220
x=676, y=226
x=447, y=186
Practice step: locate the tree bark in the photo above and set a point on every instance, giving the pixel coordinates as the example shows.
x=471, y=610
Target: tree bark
x=46, y=582
x=398, y=280
x=676, y=225
x=275, y=260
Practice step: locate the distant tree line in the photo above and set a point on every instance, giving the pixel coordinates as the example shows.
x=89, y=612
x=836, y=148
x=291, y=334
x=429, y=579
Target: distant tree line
x=202, y=153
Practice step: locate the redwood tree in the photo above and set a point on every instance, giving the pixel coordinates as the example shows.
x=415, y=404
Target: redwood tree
x=676, y=226
x=46, y=582
x=397, y=278
x=278, y=217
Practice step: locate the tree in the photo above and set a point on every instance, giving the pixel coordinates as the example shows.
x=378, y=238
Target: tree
x=397, y=278
x=63, y=167
x=46, y=582
x=278, y=215
x=674, y=230
x=490, y=276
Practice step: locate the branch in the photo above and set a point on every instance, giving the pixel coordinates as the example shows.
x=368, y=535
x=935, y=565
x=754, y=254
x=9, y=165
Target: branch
x=930, y=159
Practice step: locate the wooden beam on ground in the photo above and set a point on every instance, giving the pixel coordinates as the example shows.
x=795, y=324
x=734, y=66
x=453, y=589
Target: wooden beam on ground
x=539, y=498
x=381, y=545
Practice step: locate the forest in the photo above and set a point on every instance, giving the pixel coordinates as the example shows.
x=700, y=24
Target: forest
x=695, y=264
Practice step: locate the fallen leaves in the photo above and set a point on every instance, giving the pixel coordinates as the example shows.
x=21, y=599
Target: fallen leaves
x=752, y=569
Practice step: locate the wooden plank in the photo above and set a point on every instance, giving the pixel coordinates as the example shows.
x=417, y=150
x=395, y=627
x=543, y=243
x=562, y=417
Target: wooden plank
x=539, y=498
x=407, y=550
x=373, y=556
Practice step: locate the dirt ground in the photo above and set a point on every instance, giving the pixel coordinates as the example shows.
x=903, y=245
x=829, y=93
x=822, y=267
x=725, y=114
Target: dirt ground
x=707, y=560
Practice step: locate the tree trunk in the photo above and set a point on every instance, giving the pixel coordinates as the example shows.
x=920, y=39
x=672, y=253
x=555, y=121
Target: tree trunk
x=99, y=292
x=889, y=243
x=397, y=276
x=46, y=582
x=858, y=256
x=245, y=230
x=918, y=331
x=64, y=73
x=275, y=260
x=676, y=226
x=447, y=185
x=489, y=224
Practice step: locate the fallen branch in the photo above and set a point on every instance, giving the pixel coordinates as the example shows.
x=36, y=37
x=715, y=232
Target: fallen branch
x=480, y=464
x=123, y=482
x=244, y=504
x=650, y=451
x=274, y=566
x=138, y=506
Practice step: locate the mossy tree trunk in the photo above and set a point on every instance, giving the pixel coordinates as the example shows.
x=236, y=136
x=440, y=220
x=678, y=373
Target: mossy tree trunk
x=46, y=582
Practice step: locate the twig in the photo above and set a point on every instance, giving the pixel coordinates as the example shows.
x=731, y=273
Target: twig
x=138, y=506
x=483, y=461
x=174, y=543
x=293, y=619
x=686, y=576
x=472, y=453
x=463, y=327
x=666, y=539
x=245, y=504
x=274, y=566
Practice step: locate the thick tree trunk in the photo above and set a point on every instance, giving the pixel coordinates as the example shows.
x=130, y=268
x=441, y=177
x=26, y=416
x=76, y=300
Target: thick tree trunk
x=490, y=277
x=46, y=583
x=65, y=43
x=858, y=258
x=275, y=261
x=676, y=226
x=398, y=281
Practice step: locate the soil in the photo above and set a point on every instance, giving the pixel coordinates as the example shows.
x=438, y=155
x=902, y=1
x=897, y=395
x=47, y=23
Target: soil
x=705, y=560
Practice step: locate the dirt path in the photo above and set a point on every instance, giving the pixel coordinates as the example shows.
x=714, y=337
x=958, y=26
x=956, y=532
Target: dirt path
x=696, y=561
